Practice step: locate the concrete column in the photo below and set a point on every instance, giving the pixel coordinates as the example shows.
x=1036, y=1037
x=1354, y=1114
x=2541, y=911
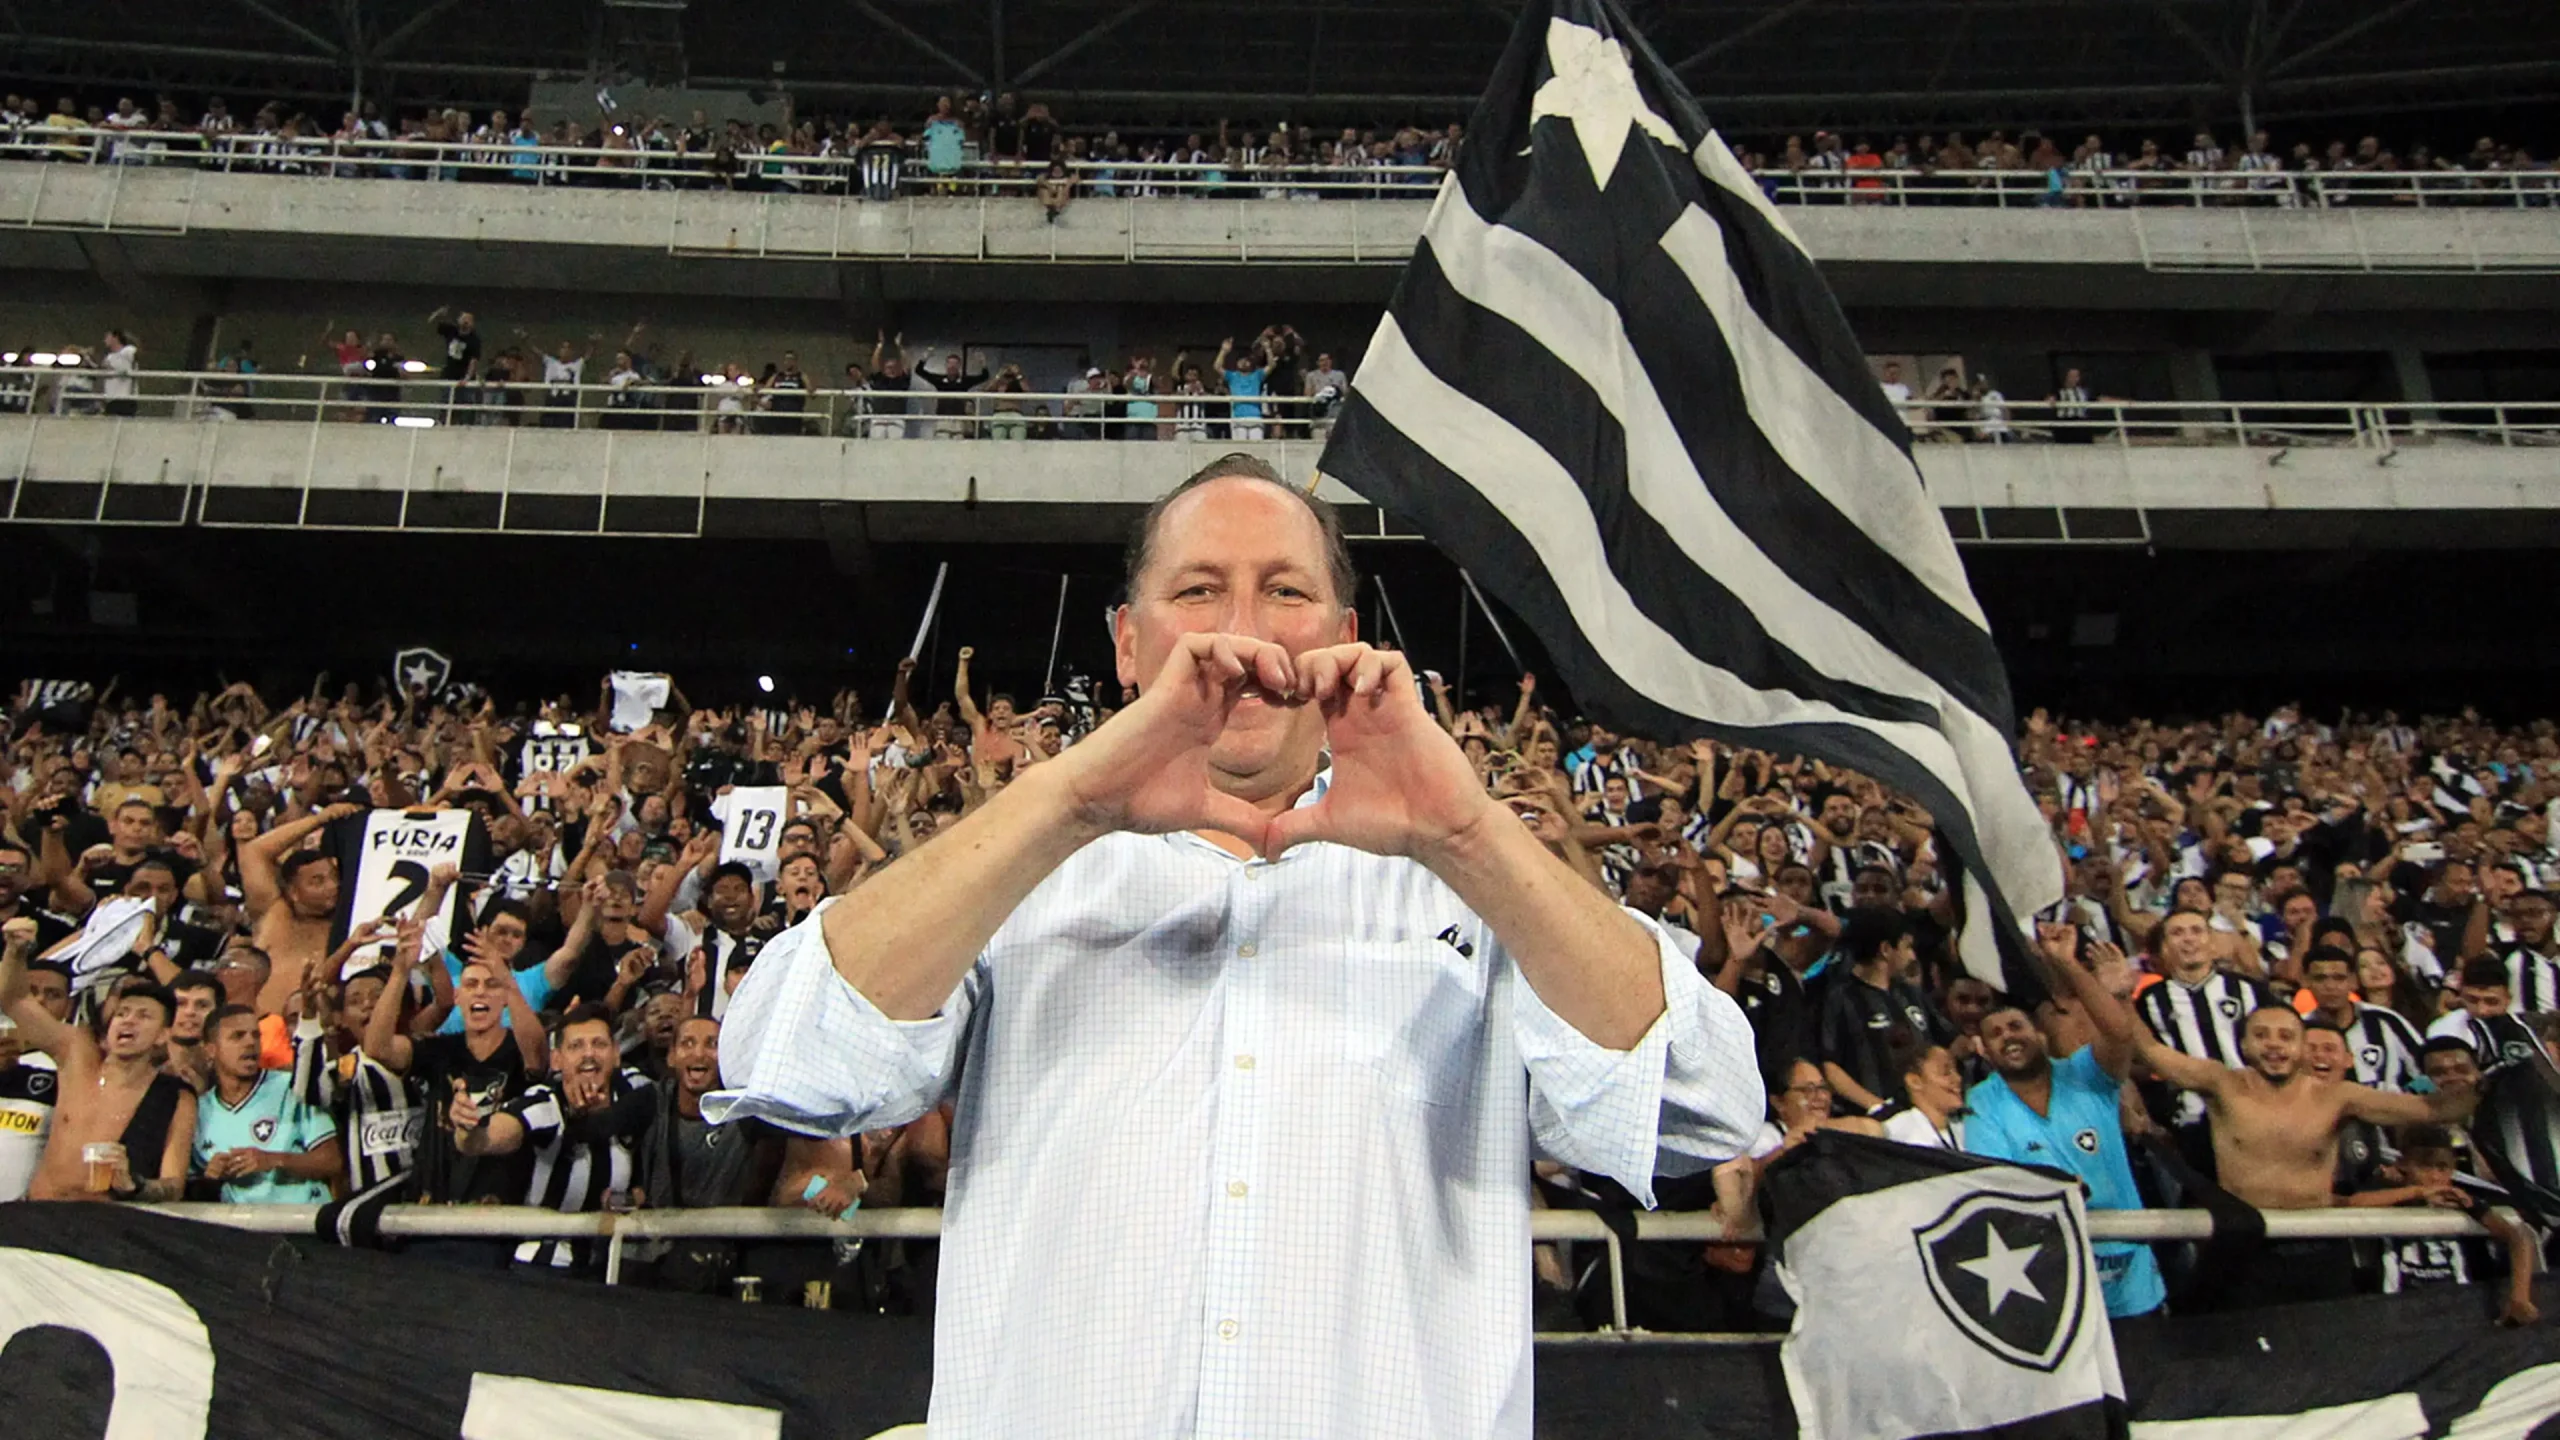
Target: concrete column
x=2192, y=379
x=2409, y=367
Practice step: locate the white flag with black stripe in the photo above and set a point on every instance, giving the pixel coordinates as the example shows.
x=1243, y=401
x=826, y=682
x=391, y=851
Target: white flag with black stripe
x=1938, y=1294
x=1614, y=388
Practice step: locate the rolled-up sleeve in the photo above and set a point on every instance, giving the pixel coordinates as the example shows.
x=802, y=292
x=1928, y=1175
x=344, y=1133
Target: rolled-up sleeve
x=1683, y=1098
x=803, y=1049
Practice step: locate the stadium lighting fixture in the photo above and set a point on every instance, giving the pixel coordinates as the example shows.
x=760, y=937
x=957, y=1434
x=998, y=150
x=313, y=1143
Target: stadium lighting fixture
x=40, y=357
x=765, y=683
x=414, y=367
x=414, y=422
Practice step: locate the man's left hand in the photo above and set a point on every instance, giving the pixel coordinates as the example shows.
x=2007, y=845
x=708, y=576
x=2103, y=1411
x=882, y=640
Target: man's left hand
x=1400, y=785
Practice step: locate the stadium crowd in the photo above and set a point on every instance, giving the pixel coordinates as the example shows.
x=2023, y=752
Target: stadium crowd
x=972, y=143
x=2304, y=962
x=1274, y=385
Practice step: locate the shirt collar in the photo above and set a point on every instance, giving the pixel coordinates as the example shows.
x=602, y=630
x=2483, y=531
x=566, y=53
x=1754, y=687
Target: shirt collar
x=1315, y=791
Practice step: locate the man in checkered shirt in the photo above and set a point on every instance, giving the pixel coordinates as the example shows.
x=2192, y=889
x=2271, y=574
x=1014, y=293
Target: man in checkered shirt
x=1253, y=1003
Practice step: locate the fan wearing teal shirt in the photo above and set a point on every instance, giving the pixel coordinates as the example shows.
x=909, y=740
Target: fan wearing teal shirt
x=2061, y=1114
x=254, y=1135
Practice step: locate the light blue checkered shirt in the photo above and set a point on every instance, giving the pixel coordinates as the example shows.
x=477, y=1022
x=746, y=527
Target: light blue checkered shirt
x=1241, y=1148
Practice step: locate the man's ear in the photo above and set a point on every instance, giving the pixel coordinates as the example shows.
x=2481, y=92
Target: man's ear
x=1124, y=645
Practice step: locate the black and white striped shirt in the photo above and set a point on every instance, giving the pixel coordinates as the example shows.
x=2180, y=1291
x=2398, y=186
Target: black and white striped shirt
x=577, y=1158
x=380, y=1122
x=2533, y=980
x=2200, y=1020
x=2386, y=1047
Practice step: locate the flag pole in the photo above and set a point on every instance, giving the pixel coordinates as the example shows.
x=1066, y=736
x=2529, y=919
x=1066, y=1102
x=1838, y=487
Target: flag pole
x=932, y=602
x=1057, y=628
x=1389, y=606
x=1496, y=622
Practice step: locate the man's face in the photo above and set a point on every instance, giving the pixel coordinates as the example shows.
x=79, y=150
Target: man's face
x=2324, y=1055
x=51, y=991
x=13, y=873
x=2501, y=885
x=2184, y=948
x=241, y=975
x=2300, y=911
x=732, y=902
x=355, y=1005
x=2231, y=892
x=800, y=883
x=695, y=1056
x=481, y=997
x=1839, y=816
x=2531, y=915
x=1648, y=890
x=585, y=1056
x=315, y=889
x=502, y=939
x=235, y=1047
x=1874, y=887
x=2271, y=1042
x=797, y=839
x=134, y=828
x=2459, y=883
x=1613, y=794
x=155, y=884
x=2332, y=984
x=659, y=1018
x=2486, y=1001
x=135, y=1025
x=2455, y=1072
x=1968, y=1000
x=2013, y=1043
x=616, y=905
x=1237, y=555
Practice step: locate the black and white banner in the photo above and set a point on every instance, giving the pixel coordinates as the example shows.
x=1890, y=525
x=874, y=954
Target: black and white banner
x=120, y=1323
x=1614, y=388
x=386, y=859
x=1937, y=1295
x=751, y=819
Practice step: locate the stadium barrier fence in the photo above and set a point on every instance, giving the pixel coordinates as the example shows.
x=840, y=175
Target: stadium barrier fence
x=514, y=1222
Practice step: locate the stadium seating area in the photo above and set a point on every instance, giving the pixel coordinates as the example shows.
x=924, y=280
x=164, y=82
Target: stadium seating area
x=2419, y=851
x=970, y=146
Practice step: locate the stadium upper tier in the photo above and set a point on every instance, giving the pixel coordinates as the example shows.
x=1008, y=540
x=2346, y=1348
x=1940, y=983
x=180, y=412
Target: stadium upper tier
x=830, y=207
x=326, y=452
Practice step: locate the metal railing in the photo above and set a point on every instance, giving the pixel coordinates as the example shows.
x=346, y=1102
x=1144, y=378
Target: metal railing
x=45, y=385
x=511, y=1222
x=890, y=171
x=406, y=393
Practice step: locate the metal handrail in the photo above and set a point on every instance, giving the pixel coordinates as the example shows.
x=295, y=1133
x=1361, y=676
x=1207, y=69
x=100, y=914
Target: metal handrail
x=416, y=398
x=916, y=1223
x=499, y=160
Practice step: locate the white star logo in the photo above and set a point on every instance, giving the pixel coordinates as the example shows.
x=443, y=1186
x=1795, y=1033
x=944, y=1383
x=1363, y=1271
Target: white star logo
x=1595, y=88
x=418, y=674
x=2002, y=1269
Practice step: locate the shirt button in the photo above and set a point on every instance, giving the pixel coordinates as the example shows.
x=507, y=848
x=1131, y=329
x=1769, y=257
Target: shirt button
x=1244, y=1062
x=1227, y=1329
x=1245, y=951
x=1235, y=1189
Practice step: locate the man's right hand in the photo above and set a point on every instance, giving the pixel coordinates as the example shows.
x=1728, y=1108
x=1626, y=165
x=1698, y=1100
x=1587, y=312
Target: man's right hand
x=1148, y=768
x=18, y=934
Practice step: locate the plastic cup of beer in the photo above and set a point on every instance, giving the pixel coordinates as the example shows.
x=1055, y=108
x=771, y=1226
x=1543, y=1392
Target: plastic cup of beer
x=100, y=1157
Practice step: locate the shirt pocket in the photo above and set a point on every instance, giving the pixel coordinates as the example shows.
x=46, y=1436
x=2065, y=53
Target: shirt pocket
x=1416, y=1016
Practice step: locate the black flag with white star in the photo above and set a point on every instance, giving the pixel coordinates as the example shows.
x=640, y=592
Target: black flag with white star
x=1615, y=389
x=1939, y=1294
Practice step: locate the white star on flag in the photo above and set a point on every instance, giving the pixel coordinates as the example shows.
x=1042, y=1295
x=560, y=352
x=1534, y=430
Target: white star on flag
x=418, y=673
x=2002, y=1269
x=1595, y=88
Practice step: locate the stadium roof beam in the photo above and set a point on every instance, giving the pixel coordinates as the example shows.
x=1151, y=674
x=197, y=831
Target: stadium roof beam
x=408, y=29
x=1736, y=36
x=899, y=28
x=317, y=41
x=2341, y=36
x=1090, y=34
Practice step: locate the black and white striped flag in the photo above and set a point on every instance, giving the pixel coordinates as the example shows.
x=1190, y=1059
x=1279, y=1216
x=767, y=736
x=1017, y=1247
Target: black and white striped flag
x=1614, y=388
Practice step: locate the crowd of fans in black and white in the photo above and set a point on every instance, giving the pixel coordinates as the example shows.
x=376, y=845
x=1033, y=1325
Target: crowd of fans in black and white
x=1004, y=144
x=2362, y=901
